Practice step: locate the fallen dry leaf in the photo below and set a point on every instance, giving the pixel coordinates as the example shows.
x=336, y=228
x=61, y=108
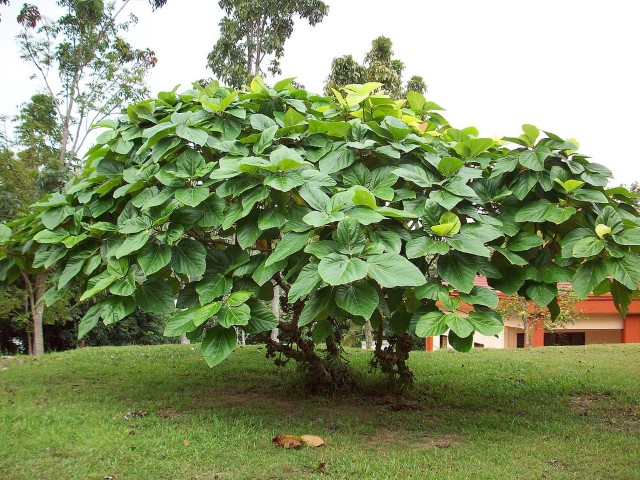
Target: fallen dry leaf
x=287, y=441
x=288, y=470
x=132, y=432
x=186, y=442
x=321, y=467
x=312, y=440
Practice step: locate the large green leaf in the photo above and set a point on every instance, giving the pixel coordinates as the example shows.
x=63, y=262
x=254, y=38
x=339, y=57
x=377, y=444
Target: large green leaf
x=338, y=269
x=212, y=287
x=542, y=293
x=218, y=344
x=89, y=320
x=423, y=246
x=391, y=270
x=359, y=299
x=189, y=257
x=461, y=344
x=431, y=324
x=288, y=245
x=628, y=237
x=72, y=268
x=153, y=257
x=459, y=325
x=626, y=270
x=306, y=282
x=262, y=318
x=238, y=315
x=188, y=320
x=316, y=307
x=192, y=196
x=486, y=323
x=588, y=276
x=133, y=243
x=114, y=309
x=350, y=237
x=480, y=296
x=457, y=270
x=155, y=296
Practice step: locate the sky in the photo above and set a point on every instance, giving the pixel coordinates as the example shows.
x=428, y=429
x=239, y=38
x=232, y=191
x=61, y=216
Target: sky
x=570, y=67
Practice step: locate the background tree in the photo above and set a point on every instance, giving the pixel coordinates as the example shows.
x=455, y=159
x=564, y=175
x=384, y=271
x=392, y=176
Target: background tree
x=378, y=66
x=531, y=315
x=254, y=32
x=358, y=207
x=97, y=70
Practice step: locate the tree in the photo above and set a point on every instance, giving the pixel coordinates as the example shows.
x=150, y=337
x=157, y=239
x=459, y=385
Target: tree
x=206, y=197
x=97, y=69
x=98, y=73
x=532, y=315
x=379, y=66
x=254, y=32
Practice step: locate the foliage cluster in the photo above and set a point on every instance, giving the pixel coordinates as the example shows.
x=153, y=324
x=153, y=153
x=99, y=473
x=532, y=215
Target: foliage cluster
x=361, y=207
x=378, y=66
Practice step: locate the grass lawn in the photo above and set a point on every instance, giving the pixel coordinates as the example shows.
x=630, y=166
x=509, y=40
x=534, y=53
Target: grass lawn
x=545, y=413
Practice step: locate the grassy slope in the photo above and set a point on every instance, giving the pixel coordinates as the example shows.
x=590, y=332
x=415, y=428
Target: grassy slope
x=546, y=413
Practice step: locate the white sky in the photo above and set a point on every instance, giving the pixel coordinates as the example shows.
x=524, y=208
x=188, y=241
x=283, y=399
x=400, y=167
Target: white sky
x=567, y=66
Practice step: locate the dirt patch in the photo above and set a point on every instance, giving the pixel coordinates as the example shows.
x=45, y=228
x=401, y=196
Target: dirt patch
x=168, y=412
x=388, y=437
x=620, y=417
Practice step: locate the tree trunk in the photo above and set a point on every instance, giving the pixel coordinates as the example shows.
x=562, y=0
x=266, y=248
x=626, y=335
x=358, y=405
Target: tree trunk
x=29, y=344
x=38, y=313
x=527, y=324
x=275, y=308
x=368, y=336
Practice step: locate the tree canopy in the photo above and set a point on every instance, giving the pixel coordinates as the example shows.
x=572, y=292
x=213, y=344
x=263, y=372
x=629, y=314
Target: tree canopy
x=359, y=206
x=253, y=33
x=378, y=66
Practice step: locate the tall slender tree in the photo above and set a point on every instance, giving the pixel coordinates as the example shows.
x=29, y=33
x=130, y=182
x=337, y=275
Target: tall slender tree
x=88, y=72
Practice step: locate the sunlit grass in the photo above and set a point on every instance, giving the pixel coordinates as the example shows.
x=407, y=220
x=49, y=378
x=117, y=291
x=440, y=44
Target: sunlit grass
x=546, y=413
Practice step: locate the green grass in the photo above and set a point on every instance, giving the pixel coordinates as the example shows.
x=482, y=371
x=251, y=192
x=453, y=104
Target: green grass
x=545, y=413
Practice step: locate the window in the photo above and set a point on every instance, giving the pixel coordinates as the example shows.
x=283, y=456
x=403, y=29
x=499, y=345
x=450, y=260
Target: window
x=520, y=340
x=564, y=338
x=444, y=341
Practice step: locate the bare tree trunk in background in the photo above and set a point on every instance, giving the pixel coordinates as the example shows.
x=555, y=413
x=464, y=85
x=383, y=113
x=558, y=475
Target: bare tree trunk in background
x=275, y=308
x=528, y=327
x=184, y=340
x=368, y=336
x=37, y=310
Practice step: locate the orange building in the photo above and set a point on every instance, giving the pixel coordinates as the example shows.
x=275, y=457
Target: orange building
x=602, y=324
